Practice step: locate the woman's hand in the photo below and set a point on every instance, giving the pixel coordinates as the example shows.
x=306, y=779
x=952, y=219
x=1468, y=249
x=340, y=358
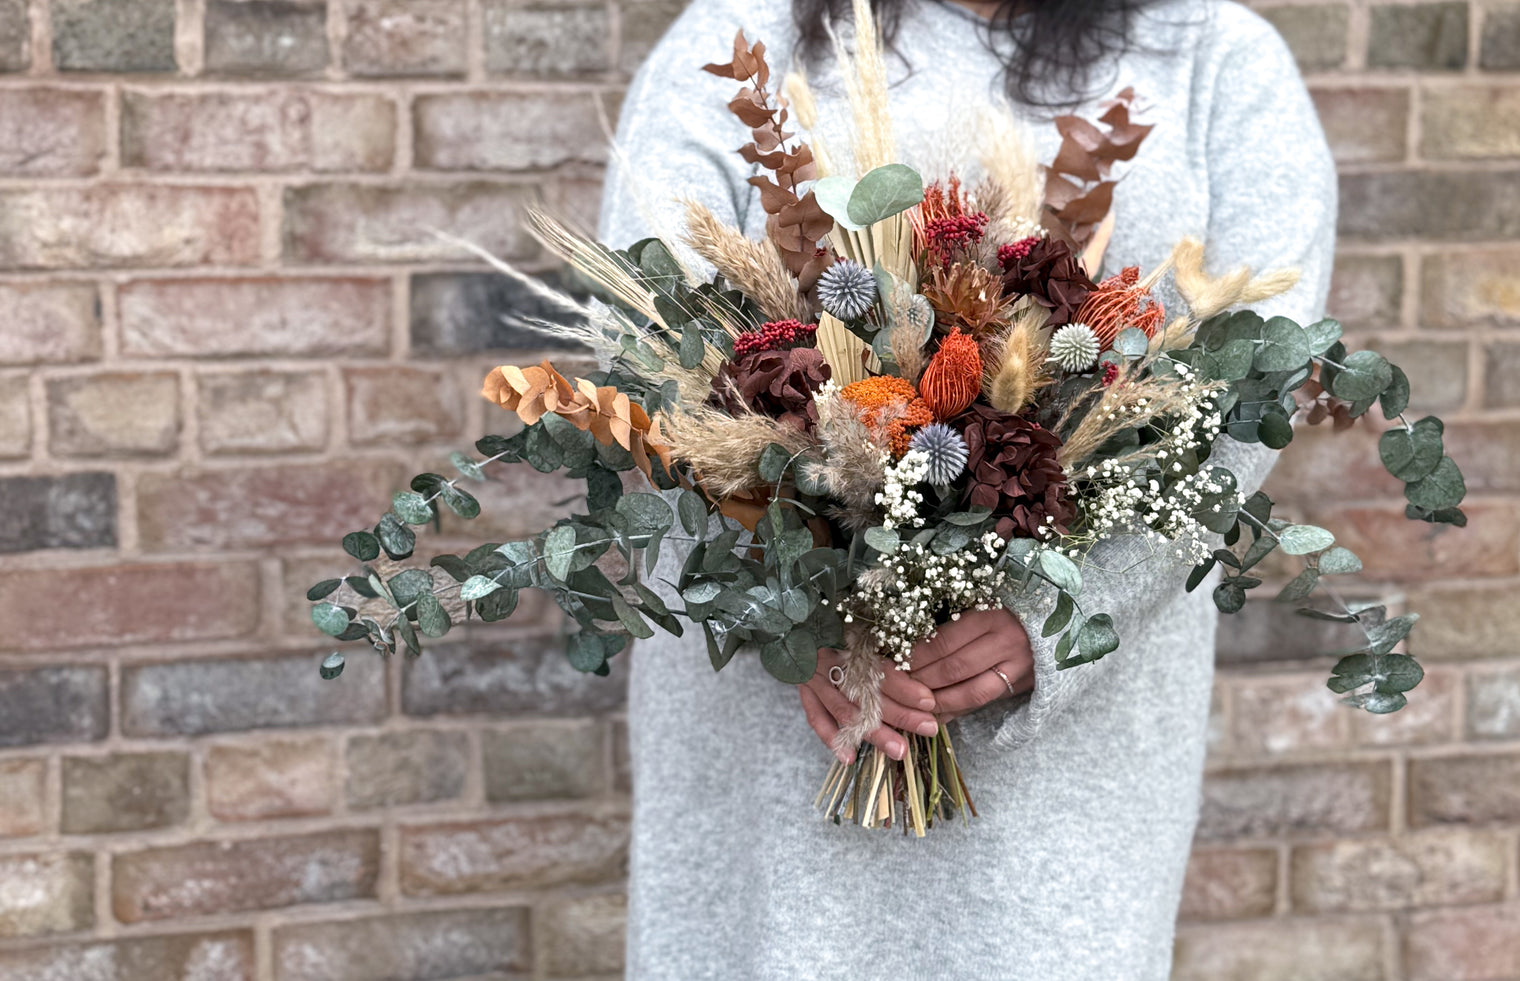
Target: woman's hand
x=828, y=710
x=961, y=663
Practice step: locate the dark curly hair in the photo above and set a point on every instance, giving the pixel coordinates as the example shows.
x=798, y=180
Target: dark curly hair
x=1049, y=48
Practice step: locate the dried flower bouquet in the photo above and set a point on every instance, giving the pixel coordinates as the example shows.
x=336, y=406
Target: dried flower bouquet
x=903, y=403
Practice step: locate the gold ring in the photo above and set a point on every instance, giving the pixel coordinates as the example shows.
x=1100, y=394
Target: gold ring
x=1008, y=684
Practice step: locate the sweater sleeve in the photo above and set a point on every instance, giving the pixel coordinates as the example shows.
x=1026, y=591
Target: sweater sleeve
x=1272, y=203
x=676, y=138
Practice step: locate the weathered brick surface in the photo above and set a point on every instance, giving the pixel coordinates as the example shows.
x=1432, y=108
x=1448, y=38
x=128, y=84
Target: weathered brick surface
x=51, y=132
x=255, y=508
x=1499, y=47
x=271, y=778
x=113, y=35
x=114, y=414
x=1464, y=790
x=445, y=944
x=1429, y=718
x=1394, y=548
x=1316, y=33
x=265, y=37
x=1431, y=204
x=1433, y=869
x=321, y=221
x=546, y=40
x=405, y=768
x=269, y=130
x=1493, y=704
x=227, y=876
x=49, y=322
x=1473, y=944
x=401, y=404
x=405, y=37
x=584, y=936
x=1431, y=36
x=461, y=313
x=222, y=956
x=233, y=694
x=1472, y=288
x=212, y=317
x=520, y=675
x=128, y=604
x=262, y=411
x=545, y=760
x=15, y=417
x=72, y=511
x=53, y=705
x=1365, y=290
x=15, y=33
x=1304, y=950
x=21, y=802
x=47, y=893
x=125, y=792
x=512, y=853
x=644, y=21
x=1437, y=371
x=1229, y=884
x=1364, y=125
x=1471, y=121
x=1337, y=798
x=120, y=225
x=481, y=131
x=1279, y=717
x=1465, y=622
x=1501, y=388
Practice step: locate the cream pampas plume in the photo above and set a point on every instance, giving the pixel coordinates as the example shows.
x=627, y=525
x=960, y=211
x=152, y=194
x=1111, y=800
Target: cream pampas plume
x=861, y=660
x=1207, y=295
x=1015, y=362
x=754, y=268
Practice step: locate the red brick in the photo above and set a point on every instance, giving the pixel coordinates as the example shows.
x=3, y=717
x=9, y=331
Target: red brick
x=1393, y=547
x=545, y=759
x=125, y=792
x=119, y=413
x=517, y=501
x=49, y=322
x=1501, y=386
x=1470, y=122
x=402, y=404
x=493, y=675
x=349, y=223
x=271, y=778
x=128, y=604
x=114, y=225
x=262, y=411
x=405, y=37
x=1428, y=869
x=1286, y=800
x=1493, y=704
x=1321, y=464
x=420, y=944
x=256, y=508
x=51, y=893
x=113, y=35
x=265, y=130
x=1229, y=884
x=1430, y=205
x=15, y=417
x=1279, y=950
x=55, y=704
x=225, y=956
x=15, y=36
x=1500, y=44
x=506, y=131
x=266, y=37
x=1465, y=621
x=1365, y=290
x=1471, y=288
x=1437, y=372
x=1431, y=36
x=1475, y=789
x=584, y=936
x=21, y=802
x=538, y=41
x=1316, y=33
x=644, y=23
x=51, y=132
x=512, y=853
x=1430, y=716
x=1364, y=125
x=412, y=767
x=75, y=510
x=1478, y=943
x=230, y=876
x=1283, y=716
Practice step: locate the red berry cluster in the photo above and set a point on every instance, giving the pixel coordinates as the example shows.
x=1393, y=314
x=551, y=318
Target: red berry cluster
x=774, y=336
x=1110, y=373
x=946, y=236
x=1017, y=251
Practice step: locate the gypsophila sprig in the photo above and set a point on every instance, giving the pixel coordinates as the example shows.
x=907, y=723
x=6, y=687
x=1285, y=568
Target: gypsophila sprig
x=899, y=497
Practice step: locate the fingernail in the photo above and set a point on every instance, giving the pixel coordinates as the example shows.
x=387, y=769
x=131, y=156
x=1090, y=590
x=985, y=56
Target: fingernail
x=897, y=748
x=926, y=703
x=928, y=728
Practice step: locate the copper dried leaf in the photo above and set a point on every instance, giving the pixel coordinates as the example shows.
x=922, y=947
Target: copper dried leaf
x=1090, y=208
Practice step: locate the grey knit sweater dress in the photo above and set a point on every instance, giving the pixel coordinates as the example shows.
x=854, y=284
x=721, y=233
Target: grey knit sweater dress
x=1088, y=788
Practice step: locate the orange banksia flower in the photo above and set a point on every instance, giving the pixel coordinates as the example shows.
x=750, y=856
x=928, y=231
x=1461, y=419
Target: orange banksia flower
x=892, y=405
x=1120, y=302
x=954, y=376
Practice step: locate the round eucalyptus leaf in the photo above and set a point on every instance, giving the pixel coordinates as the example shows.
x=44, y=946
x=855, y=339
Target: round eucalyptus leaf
x=412, y=507
x=323, y=589
x=884, y=540
x=1284, y=346
x=468, y=468
x=1274, y=430
x=1339, y=561
x=1395, y=398
x=1413, y=453
x=476, y=587
x=1132, y=342
x=1365, y=375
x=361, y=545
x=1304, y=539
x=1321, y=335
x=833, y=196
x=432, y=618
x=331, y=666
x=1443, y=488
x=888, y=190
x=330, y=618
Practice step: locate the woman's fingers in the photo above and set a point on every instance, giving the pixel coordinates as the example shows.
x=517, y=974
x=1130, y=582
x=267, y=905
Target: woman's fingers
x=822, y=721
x=902, y=688
x=983, y=689
x=971, y=660
x=884, y=737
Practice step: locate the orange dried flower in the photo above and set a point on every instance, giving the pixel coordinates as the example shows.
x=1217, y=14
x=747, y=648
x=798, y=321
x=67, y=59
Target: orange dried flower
x=1117, y=304
x=892, y=405
x=954, y=376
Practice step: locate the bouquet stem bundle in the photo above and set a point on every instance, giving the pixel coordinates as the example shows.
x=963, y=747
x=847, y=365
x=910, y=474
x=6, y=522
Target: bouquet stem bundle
x=875, y=791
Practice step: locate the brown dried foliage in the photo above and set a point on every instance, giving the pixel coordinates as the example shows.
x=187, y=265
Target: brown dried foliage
x=1078, y=188
x=796, y=223
x=965, y=295
x=1319, y=405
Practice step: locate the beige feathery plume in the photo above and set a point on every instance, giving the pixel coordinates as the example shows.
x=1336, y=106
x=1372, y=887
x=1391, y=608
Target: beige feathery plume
x=1012, y=166
x=724, y=449
x=799, y=93
x=1130, y=402
x=1175, y=335
x=1015, y=361
x=754, y=268
x=1207, y=295
x=865, y=85
x=853, y=465
x=860, y=657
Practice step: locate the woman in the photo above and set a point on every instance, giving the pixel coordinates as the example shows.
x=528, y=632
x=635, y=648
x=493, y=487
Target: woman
x=1087, y=780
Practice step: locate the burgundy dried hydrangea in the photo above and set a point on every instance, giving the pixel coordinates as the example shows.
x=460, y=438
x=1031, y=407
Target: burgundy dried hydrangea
x=1051, y=274
x=1011, y=467
x=780, y=384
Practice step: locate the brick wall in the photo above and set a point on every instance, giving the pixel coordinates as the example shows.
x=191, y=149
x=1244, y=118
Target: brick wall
x=226, y=333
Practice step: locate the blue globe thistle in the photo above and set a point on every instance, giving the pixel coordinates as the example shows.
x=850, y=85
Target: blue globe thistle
x=847, y=289
x=946, y=450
